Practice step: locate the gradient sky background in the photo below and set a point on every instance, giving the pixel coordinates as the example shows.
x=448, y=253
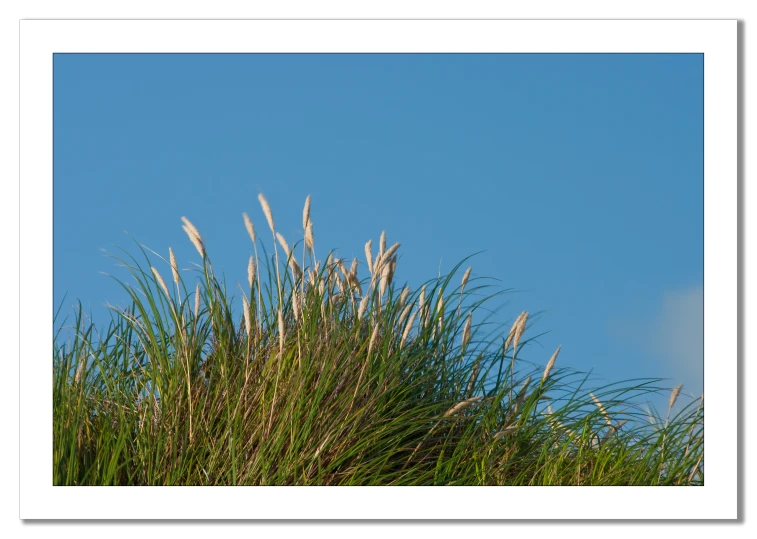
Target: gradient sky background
x=580, y=176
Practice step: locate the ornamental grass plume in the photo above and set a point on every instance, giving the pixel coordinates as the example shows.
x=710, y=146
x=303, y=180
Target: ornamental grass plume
x=251, y=271
x=602, y=409
x=466, y=276
x=174, y=266
x=382, y=243
x=306, y=213
x=368, y=256
x=266, y=211
x=460, y=406
x=466, y=331
x=161, y=282
x=550, y=364
x=284, y=244
x=311, y=386
x=246, y=314
x=249, y=226
x=674, y=395
x=309, y=238
x=194, y=236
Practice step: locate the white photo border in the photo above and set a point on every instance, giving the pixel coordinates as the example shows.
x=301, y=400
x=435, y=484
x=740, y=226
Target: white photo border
x=716, y=39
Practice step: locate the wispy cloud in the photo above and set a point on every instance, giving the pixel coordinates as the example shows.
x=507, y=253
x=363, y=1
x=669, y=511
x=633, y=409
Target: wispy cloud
x=679, y=336
x=671, y=338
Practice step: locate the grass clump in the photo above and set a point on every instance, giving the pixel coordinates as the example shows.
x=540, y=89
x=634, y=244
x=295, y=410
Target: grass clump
x=325, y=378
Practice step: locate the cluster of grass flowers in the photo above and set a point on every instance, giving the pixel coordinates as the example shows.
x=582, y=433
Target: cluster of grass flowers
x=327, y=378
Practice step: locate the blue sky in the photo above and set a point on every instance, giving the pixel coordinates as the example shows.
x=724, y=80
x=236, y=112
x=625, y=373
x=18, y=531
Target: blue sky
x=580, y=176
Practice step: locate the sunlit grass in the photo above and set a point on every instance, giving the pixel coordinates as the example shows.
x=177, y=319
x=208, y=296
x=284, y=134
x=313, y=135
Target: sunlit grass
x=319, y=377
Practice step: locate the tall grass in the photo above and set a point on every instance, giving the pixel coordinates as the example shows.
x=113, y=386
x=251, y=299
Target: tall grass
x=321, y=377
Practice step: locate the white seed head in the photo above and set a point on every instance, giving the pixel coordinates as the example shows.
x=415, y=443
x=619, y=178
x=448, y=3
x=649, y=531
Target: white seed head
x=403, y=295
x=363, y=306
x=382, y=243
x=174, y=266
x=466, y=276
x=373, y=338
x=266, y=210
x=197, y=300
x=283, y=243
x=466, y=331
x=390, y=252
x=601, y=409
x=246, y=314
x=296, y=304
x=194, y=237
x=392, y=269
x=282, y=336
x=408, y=327
x=403, y=315
x=249, y=226
x=295, y=268
x=306, y=213
x=521, y=327
x=309, y=238
x=251, y=271
x=550, y=364
x=368, y=255
x=191, y=227
x=674, y=395
x=462, y=406
x=160, y=280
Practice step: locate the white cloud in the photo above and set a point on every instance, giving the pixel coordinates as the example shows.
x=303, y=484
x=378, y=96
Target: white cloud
x=670, y=339
x=678, y=336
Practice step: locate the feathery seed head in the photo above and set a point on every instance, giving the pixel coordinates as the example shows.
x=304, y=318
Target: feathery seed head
x=374, y=335
x=466, y=331
x=466, y=276
x=160, y=280
x=382, y=242
x=251, y=271
x=191, y=227
x=522, y=319
x=296, y=304
x=197, y=300
x=249, y=226
x=403, y=295
x=473, y=377
x=601, y=409
x=363, y=306
x=462, y=406
x=246, y=314
x=550, y=364
x=389, y=253
x=309, y=238
x=392, y=269
x=266, y=210
x=403, y=315
x=194, y=237
x=674, y=395
x=368, y=255
x=306, y=213
x=283, y=243
x=174, y=266
x=408, y=327
x=295, y=268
